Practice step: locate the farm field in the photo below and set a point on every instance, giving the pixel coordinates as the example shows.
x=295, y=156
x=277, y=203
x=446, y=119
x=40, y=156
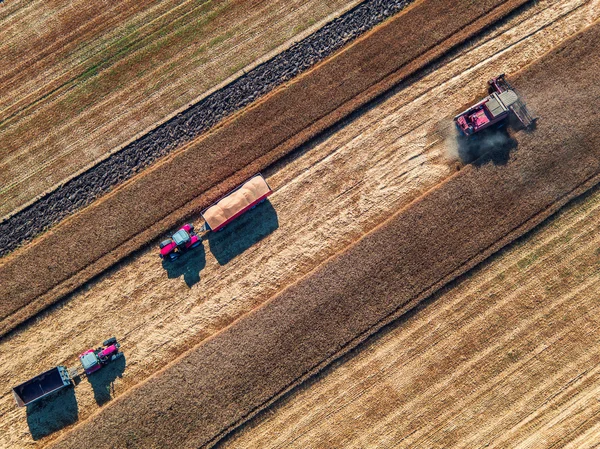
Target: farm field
x=506, y=357
x=226, y=380
x=80, y=79
x=160, y=318
x=151, y=203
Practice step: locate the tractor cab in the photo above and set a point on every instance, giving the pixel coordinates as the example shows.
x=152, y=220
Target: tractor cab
x=181, y=237
x=93, y=359
x=90, y=361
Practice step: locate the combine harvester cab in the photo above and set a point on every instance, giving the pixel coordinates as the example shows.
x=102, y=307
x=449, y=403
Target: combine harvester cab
x=494, y=109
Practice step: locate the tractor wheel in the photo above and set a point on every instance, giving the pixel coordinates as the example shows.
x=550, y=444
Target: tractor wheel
x=110, y=341
x=164, y=243
x=196, y=244
x=173, y=256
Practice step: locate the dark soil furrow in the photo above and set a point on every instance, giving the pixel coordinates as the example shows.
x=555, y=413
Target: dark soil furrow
x=120, y=166
x=229, y=378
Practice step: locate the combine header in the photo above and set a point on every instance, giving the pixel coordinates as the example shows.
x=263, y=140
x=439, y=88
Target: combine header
x=494, y=109
x=241, y=199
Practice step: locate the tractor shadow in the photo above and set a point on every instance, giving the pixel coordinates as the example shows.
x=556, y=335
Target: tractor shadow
x=491, y=145
x=243, y=232
x=102, y=381
x=189, y=265
x=52, y=413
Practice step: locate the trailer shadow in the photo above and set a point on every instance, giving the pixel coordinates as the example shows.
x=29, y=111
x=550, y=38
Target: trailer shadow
x=189, y=265
x=52, y=413
x=491, y=145
x=243, y=232
x=102, y=381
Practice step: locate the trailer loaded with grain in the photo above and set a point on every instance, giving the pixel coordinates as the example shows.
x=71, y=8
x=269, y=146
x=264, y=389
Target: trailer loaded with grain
x=241, y=199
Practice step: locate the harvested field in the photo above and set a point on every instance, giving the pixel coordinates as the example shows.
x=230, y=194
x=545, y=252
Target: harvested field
x=124, y=163
x=81, y=79
x=387, y=156
x=508, y=357
x=233, y=375
x=139, y=210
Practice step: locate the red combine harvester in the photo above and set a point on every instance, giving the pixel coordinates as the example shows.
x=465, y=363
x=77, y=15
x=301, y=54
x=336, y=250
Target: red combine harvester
x=241, y=199
x=494, y=109
x=61, y=377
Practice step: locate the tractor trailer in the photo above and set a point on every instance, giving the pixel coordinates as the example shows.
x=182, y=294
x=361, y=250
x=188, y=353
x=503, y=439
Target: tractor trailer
x=241, y=199
x=61, y=377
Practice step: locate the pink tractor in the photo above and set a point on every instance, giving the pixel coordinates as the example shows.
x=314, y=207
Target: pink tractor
x=493, y=109
x=94, y=359
x=185, y=238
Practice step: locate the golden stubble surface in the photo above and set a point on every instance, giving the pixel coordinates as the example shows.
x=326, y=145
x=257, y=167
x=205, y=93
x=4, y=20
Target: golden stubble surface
x=325, y=199
x=80, y=79
x=162, y=196
x=506, y=357
x=224, y=381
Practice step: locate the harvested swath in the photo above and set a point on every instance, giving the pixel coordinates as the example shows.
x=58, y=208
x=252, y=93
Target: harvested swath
x=226, y=380
x=193, y=178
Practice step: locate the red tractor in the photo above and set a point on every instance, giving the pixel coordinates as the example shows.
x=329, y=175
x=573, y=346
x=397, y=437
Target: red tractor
x=59, y=377
x=94, y=359
x=494, y=109
x=185, y=238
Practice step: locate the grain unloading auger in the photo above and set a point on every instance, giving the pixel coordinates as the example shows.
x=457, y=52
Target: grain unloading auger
x=244, y=197
x=494, y=109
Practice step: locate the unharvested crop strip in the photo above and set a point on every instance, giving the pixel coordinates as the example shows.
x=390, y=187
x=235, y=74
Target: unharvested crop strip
x=122, y=165
x=229, y=378
x=160, y=197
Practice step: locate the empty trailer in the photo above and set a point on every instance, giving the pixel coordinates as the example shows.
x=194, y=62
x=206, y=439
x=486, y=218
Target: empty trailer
x=42, y=385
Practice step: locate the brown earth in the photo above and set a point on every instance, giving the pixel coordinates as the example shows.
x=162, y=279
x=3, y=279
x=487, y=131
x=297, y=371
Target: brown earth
x=326, y=197
x=129, y=217
x=507, y=357
x=243, y=369
x=81, y=79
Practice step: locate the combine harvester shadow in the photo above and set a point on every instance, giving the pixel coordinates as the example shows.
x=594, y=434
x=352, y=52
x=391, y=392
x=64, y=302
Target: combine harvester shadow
x=52, y=413
x=491, y=145
x=243, y=232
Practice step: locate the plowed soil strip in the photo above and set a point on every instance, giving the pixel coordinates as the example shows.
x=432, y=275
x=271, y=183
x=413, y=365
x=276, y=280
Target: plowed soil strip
x=156, y=200
x=232, y=376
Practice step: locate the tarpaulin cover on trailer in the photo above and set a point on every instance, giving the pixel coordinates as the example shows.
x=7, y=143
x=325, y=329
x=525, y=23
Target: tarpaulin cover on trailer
x=236, y=201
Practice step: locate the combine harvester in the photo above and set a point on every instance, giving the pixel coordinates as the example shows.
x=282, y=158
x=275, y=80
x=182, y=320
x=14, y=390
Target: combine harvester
x=494, y=109
x=61, y=377
x=241, y=199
